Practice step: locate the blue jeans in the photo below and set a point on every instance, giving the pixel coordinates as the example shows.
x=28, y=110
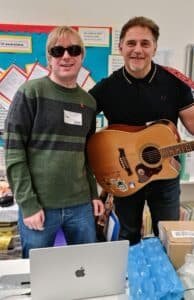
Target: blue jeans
x=163, y=199
x=77, y=223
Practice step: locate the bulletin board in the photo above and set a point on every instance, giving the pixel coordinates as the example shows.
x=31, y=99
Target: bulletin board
x=96, y=59
x=15, y=57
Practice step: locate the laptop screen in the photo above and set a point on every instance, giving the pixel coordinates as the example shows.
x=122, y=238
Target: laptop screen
x=79, y=271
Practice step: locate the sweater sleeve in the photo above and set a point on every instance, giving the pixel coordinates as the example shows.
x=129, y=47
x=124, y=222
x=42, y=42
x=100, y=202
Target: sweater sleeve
x=92, y=184
x=91, y=177
x=17, y=133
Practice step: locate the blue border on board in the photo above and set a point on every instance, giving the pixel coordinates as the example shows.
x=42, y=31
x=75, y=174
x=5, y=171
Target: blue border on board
x=96, y=60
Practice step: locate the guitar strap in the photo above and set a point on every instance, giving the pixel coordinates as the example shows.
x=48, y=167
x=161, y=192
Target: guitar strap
x=187, y=81
x=180, y=75
x=102, y=221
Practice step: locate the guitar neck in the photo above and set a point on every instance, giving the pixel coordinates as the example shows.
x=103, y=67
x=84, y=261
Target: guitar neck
x=177, y=149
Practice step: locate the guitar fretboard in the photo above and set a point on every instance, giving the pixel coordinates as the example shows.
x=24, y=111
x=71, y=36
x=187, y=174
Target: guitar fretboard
x=177, y=149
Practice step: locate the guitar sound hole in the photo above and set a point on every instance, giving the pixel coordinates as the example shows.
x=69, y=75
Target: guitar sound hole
x=151, y=155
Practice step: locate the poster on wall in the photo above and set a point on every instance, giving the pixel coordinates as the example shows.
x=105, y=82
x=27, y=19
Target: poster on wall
x=28, y=43
x=23, y=57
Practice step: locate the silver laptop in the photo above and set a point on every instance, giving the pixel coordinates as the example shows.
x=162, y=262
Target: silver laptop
x=79, y=271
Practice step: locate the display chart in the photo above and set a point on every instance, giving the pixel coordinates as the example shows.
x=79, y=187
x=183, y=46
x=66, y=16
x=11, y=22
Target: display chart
x=97, y=46
x=22, y=57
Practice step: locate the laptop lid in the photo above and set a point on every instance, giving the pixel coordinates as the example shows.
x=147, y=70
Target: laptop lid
x=79, y=271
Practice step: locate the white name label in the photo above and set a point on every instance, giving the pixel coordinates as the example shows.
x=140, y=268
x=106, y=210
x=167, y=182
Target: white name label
x=73, y=118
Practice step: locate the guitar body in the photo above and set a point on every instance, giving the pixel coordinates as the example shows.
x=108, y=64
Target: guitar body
x=124, y=159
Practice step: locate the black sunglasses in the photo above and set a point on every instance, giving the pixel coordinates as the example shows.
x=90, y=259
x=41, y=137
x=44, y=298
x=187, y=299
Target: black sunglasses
x=58, y=51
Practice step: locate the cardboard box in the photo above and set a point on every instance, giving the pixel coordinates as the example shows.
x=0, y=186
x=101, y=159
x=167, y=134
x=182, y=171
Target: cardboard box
x=178, y=239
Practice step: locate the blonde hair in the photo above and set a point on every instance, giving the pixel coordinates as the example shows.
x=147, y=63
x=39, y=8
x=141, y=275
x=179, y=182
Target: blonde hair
x=59, y=32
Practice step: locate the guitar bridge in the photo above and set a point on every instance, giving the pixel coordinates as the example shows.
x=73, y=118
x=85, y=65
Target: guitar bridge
x=124, y=162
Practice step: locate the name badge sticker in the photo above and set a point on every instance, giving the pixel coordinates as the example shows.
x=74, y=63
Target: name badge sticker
x=73, y=118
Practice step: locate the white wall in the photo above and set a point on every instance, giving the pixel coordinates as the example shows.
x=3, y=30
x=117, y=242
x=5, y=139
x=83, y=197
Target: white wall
x=175, y=17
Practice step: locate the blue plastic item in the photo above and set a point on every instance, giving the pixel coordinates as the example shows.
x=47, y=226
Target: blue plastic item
x=150, y=273
x=113, y=227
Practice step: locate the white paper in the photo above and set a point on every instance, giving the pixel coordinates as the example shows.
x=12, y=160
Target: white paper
x=82, y=76
x=15, y=43
x=38, y=71
x=95, y=36
x=114, y=63
x=3, y=115
x=12, y=80
x=88, y=84
x=5, y=103
x=115, y=40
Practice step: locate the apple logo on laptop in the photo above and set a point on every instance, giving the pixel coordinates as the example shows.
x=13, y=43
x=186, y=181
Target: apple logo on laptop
x=80, y=272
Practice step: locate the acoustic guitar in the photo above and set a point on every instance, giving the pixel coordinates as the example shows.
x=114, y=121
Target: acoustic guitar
x=126, y=158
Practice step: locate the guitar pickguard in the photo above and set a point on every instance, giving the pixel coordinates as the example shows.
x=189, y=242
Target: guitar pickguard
x=144, y=173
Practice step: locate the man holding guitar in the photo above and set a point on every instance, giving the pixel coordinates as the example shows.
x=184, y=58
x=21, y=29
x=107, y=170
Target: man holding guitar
x=139, y=93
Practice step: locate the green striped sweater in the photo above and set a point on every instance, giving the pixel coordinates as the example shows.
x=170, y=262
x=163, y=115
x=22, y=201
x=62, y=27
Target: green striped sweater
x=45, y=137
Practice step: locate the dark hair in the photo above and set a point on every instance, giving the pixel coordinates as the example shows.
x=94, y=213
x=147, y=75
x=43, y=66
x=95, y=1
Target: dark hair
x=143, y=22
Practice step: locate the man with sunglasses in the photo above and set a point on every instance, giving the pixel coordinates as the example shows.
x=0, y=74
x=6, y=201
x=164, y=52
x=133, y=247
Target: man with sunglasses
x=46, y=131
